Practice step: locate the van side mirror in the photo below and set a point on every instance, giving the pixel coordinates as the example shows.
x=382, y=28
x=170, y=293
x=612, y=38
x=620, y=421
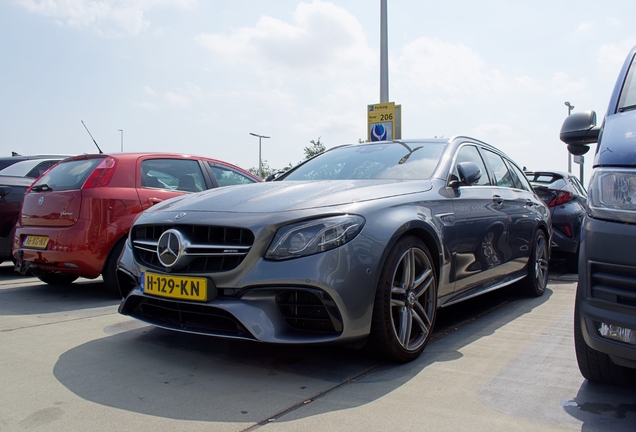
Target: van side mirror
x=579, y=129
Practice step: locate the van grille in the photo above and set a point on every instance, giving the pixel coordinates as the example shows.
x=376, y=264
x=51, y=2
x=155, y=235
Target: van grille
x=613, y=283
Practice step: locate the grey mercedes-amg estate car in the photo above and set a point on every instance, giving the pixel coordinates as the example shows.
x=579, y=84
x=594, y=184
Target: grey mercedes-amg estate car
x=361, y=243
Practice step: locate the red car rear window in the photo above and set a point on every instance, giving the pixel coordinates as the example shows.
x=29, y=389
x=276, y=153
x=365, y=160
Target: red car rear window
x=69, y=175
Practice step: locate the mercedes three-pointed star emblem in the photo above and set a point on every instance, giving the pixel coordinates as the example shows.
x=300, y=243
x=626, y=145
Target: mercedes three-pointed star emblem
x=170, y=248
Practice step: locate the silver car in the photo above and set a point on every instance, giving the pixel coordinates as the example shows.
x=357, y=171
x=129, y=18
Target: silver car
x=362, y=243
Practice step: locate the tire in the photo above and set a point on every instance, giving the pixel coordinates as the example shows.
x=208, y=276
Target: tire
x=537, y=279
x=405, y=303
x=55, y=278
x=109, y=273
x=595, y=365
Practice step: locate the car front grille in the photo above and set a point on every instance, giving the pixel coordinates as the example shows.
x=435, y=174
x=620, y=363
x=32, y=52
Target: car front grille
x=213, y=249
x=613, y=283
x=309, y=310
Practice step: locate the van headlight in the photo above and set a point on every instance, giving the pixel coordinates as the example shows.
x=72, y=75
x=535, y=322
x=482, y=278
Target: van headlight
x=612, y=195
x=313, y=236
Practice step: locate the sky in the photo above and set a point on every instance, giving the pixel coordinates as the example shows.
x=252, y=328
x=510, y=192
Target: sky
x=197, y=77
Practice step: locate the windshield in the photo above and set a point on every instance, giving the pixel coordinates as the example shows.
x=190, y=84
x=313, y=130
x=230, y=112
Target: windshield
x=398, y=161
x=627, y=100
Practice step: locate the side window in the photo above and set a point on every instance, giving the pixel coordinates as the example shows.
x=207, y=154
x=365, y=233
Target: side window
x=500, y=170
x=40, y=168
x=518, y=177
x=228, y=177
x=172, y=174
x=469, y=153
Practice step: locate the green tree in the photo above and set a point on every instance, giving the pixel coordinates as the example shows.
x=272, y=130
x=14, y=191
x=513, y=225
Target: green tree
x=316, y=148
x=267, y=170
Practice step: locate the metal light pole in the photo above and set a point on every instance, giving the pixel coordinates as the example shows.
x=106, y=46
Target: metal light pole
x=384, y=54
x=260, y=169
x=570, y=108
x=122, y=139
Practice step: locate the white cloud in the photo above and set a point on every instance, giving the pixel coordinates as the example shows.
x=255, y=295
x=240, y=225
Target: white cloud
x=493, y=131
x=324, y=40
x=529, y=84
x=562, y=84
x=455, y=71
x=610, y=57
x=149, y=91
x=180, y=97
x=584, y=28
x=111, y=18
x=176, y=100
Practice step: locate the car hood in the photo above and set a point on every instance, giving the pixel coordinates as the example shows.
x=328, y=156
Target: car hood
x=291, y=195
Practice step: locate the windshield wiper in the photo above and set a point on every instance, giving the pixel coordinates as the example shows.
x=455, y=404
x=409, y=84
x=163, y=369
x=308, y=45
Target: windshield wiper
x=627, y=108
x=41, y=188
x=408, y=155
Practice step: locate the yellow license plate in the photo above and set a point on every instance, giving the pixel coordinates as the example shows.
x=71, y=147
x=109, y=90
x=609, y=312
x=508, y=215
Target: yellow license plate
x=176, y=287
x=36, y=242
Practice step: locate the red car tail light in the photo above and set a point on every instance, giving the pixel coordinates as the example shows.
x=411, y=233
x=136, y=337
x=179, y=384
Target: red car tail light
x=102, y=174
x=561, y=198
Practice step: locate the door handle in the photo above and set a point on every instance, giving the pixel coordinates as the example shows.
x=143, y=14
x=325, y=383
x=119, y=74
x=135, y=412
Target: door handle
x=153, y=201
x=497, y=199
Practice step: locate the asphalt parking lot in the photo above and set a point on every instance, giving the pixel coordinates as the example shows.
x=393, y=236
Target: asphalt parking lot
x=498, y=363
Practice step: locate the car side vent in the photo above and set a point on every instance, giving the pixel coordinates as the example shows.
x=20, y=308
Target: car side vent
x=210, y=249
x=613, y=283
x=309, y=310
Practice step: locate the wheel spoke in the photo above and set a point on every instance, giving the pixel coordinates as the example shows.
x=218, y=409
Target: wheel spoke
x=396, y=302
x=406, y=318
x=422, y=317
x=409, y=266
x=420, y=286
x=422, y=326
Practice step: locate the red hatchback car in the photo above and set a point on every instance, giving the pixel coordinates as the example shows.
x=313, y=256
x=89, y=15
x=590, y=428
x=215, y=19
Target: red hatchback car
x=75, y=218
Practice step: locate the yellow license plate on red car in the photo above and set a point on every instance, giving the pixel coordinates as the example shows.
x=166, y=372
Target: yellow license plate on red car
x=36, y=242
x=176, y=287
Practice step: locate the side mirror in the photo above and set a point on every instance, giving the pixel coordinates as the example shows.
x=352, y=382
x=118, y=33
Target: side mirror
x=579, y=129
x=469, y=173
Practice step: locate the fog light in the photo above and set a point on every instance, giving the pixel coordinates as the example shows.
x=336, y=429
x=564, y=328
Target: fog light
x=621, y=334
x=71, y=265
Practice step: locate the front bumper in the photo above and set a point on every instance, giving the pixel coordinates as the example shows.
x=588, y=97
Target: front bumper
x=607, y=286
x=320, y=298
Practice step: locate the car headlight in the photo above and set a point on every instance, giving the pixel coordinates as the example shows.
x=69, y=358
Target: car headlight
x=612, y=195
x=313, y=236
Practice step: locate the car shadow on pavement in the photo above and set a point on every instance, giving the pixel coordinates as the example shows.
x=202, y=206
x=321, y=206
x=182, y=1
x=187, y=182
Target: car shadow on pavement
x=168, y=374
x=39, y=298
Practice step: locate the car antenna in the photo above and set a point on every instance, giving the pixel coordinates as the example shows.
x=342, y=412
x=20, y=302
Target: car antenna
x=89, y=132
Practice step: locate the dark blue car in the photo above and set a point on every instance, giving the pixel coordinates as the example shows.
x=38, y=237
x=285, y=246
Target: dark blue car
x=605, y=309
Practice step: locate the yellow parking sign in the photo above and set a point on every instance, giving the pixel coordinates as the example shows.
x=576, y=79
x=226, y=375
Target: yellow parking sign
x=383, y=122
